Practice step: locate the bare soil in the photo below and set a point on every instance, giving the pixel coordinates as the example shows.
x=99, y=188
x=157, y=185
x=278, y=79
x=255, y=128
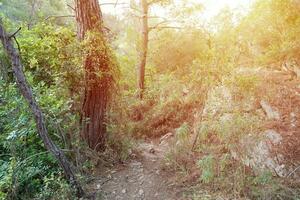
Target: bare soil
x=140, y=178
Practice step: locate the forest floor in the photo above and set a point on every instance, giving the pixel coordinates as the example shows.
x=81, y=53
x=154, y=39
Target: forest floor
x=140, y=178
x=144, y=176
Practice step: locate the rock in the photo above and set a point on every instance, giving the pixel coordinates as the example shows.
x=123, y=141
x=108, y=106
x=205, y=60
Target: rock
x=152, y=150
x=273, y=136
x=124, y=191
x=141, y=177
x=141, y=192
x=98, y=186
x=109, y=176
x=271, y=113
x=257, y=153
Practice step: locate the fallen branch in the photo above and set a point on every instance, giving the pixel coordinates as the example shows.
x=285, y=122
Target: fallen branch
x=293, y=171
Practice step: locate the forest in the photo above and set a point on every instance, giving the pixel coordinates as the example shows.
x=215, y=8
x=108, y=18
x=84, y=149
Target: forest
x=150, y=99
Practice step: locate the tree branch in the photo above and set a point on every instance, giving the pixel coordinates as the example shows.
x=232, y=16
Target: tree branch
x=136, y=9
x=157, y=25
x=71, y=7
x=15, y=33
x=114, y=4
x=153, y=2
x=169, y=27
x=58, y=16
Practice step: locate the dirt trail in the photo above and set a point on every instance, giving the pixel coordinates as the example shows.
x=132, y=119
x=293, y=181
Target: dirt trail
x=139, y=179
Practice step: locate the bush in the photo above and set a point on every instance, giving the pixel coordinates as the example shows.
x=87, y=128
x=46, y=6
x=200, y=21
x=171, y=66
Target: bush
x=48, y=56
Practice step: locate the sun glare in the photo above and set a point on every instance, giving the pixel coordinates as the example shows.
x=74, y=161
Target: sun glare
x=213, y=7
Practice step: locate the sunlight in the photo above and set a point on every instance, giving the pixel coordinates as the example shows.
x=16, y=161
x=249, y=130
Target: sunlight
x=150, y=99
x=213, y=7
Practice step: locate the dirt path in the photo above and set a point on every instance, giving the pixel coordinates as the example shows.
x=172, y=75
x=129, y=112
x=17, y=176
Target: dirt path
x=139, y=179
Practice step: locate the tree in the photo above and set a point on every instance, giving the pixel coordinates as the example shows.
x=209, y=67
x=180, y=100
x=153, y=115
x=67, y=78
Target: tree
x=26, y=91
x=98, y=66
x=159, y=23
x=31, y=12
x=145, y=30
x=144, y=49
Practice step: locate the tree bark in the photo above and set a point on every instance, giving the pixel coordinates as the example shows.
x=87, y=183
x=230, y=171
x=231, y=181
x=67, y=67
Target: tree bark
x=98, y=75
x=144, y=49
x=38, y=115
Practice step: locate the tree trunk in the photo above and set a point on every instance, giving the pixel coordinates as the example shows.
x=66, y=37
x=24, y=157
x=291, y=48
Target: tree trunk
x=144, y=49
x=98, y=75
x=38, y=115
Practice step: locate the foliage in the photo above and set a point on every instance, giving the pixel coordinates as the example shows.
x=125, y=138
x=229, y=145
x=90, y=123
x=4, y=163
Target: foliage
x=23, y=155
x=31, y=12
x=276, y=31
x=207, y=165
x=49, y=61
x=185, y=64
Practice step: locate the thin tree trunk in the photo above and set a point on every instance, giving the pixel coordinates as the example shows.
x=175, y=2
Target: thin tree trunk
x=32, y=12
x=144, y=49
x=38, y=115
x=98, y=75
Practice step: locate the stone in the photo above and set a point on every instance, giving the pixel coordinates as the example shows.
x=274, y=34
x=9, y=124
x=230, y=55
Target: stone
x=141, y=192
x=270, y=112
x=124, y=191
x=256, y=152
x=152, y=150
x=109, y=176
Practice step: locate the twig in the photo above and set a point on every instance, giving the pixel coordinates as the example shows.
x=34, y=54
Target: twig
x=153, y=2
x=169, y=27
x=59, y=16
x=19, y=48
x=15, y=33
x=158, y=25
x=114, y=4
x=71, y=7
x=293, y=171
